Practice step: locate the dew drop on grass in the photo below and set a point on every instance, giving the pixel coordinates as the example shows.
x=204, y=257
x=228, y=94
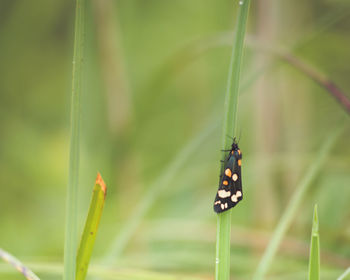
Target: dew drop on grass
x=241, y=2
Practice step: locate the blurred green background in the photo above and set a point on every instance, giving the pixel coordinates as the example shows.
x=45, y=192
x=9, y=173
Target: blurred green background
x=155, y=79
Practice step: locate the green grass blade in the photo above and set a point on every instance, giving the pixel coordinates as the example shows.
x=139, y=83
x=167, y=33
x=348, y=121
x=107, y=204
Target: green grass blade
x=223, y=234
x=70, y=246
x=90, y=230
x=294, y=205
x=222, y=263
x=232, y=88
x=345, y=274
x=314, y=261
x=7, y=257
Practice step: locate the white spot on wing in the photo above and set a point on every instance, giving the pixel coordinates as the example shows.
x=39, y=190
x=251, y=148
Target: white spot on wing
x=223, y=193
x=222, y=206
x=234, y=198
x=238, y=193
x=234, y=177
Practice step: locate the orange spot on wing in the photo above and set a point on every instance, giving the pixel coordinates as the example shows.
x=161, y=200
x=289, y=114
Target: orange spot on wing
x=239, y=162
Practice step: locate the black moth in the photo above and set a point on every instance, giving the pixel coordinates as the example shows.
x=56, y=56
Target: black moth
x=230, y=189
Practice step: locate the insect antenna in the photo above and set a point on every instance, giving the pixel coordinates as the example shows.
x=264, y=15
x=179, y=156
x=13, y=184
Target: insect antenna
x=240, y=134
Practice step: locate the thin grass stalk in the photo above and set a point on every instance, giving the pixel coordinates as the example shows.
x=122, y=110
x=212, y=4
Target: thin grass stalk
x=70, y=246
x=321, y=79
x=222, y=263
x=314, y=260
x=346, y=273
x=224, y=39
x=17, y=264
x=294, y=205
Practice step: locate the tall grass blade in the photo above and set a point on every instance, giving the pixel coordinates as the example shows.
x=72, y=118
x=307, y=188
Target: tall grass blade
x=222, y=263
x=294, y=205
x=90, y=230
x=7, y=257
x=314, y=261
x=70, y=247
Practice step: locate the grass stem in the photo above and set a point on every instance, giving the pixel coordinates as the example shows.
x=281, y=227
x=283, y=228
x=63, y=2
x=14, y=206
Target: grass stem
x=70, y=246
x=222, y=267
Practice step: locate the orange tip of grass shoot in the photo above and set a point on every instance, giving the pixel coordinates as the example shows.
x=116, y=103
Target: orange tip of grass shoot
x=100, y=182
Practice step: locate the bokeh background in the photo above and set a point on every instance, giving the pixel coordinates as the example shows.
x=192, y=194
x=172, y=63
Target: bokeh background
x=151, y=112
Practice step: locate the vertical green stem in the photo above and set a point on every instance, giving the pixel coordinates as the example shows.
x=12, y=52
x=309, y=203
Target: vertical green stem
x=70, y=247
x=314, y=260
x=232, y=88
x=222, y=268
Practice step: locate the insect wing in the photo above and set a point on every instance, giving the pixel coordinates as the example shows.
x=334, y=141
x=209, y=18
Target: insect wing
x=230, y=189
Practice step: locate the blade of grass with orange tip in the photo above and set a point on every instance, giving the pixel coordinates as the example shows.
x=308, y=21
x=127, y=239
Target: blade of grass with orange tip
x=91, y=225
